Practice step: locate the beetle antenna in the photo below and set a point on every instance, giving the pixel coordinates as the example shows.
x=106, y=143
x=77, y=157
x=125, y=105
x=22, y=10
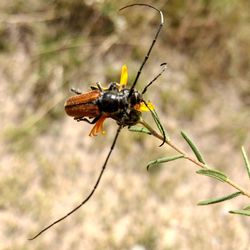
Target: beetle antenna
x=91, y=193
x=164, y=67
x=152, y=44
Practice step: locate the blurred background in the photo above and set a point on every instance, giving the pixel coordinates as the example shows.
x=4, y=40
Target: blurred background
x=48, y=163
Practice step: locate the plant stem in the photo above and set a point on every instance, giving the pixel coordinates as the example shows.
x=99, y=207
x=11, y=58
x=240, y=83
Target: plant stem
x=191, y=159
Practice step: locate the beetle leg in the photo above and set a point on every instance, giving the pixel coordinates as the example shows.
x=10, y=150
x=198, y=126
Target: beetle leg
x=95, y=87
x=98, y=126
x=99, y=86
x=113, y=86
x=76, y=91
x=87, y=120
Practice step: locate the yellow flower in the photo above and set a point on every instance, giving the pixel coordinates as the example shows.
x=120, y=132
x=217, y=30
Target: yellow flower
x=124, y=76
x=142, y=107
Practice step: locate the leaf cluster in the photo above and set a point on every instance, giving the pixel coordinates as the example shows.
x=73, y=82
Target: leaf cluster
x=199, y=161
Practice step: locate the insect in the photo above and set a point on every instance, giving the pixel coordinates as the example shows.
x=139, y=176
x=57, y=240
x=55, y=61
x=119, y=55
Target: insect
x=117, y=101
x=114, y=102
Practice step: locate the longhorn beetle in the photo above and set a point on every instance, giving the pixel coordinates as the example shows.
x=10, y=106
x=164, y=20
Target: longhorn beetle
x=122, y=104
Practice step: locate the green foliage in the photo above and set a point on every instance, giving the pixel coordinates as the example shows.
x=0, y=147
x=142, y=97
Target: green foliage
x=245, y=212
x=205, y=170
x=193, y=147
x=213, y=173
x=139, y=129
x=221, y=199
x=246, y=161
x=155, y=163
x=159, y=124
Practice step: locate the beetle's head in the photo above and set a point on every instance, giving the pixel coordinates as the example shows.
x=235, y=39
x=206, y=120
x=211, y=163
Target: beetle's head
x=135, y=98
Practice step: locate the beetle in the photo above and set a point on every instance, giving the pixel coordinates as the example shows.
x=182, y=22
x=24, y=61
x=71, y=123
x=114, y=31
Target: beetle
x=117, y=101
x=114, y=102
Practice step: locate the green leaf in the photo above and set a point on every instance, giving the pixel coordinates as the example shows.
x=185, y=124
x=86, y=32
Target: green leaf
x=139, y=129
x=246, y=161
x=213, y=173
x=241, y=212
x=193, y=147
x=158, y=124
x=247, y=207
x=217, y=200
x=163, y=160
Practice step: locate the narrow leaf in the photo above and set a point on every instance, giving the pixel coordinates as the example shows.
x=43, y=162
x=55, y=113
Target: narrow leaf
x=217, y=200
x=241, y=212
x=246, y=161
x=213, y=173
x=159, y=125
x=247, y=208
x=193, y=147
x=157, y=120
x=163, y=160
x=139, y=129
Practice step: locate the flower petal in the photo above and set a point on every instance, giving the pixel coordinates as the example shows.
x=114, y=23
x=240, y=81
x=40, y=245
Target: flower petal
x=143, y=108
x=124, y=76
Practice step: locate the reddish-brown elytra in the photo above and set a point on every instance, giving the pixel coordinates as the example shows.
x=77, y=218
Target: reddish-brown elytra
x=122, y=104
x=83, y=105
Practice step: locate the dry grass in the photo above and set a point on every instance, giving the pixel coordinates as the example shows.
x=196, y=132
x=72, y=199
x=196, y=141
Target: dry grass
x=48, y=163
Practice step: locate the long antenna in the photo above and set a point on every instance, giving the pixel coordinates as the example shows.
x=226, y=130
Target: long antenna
x=152, y=44
x=91, y=193
x=164, y=67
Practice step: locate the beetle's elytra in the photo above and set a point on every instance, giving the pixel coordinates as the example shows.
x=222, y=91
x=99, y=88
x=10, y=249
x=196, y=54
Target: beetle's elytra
x=83, y=105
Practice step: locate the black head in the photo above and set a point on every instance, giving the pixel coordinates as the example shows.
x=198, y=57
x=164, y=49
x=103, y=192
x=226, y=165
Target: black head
x=135, y=98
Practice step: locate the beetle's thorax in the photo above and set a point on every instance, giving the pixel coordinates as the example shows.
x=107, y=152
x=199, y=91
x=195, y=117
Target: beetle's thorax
x=119, y=105
x=118, y=101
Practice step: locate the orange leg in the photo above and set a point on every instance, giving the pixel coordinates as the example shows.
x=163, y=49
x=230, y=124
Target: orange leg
x=98, y=126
